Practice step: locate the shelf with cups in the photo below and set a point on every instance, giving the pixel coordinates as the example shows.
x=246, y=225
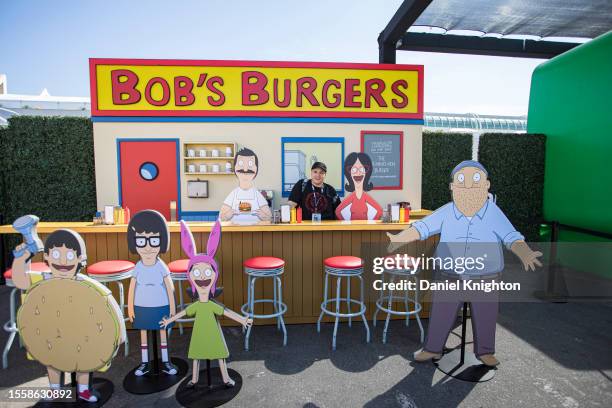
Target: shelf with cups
x=208, y=158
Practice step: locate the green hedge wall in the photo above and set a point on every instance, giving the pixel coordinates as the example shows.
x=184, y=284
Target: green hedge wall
x=48, y=168
x=441, y=152
x=515, y=163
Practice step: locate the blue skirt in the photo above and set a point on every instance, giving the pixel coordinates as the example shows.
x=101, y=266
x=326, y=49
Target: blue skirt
x=148, y=318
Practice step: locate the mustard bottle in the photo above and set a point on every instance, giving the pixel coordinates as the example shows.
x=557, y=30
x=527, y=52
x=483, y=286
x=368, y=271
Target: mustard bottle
x=402, y=214
x=293, y=216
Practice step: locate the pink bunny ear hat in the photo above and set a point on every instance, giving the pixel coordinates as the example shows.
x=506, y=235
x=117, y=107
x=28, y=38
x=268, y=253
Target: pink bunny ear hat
x=188, y=244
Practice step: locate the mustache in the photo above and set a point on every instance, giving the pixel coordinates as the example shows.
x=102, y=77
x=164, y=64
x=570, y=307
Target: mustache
x=245, y=171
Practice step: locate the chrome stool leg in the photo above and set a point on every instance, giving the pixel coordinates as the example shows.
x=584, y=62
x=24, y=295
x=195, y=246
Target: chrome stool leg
x=324, y=304
x=280, y=317
x=126, y=345
x=11, y=327
x=363, y=306
x=389, y=305
x=348, y=298
x=182, y=303
x=275, y=304
x=251, y=301
x=337, y=313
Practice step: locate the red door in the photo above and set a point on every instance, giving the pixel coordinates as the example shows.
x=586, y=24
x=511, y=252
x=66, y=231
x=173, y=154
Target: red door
x=149, y=177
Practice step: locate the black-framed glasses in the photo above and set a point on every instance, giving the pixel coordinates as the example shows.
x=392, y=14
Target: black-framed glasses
x=141, y=242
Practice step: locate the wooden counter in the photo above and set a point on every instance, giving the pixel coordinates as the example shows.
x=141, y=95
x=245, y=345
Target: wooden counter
x=303, y=246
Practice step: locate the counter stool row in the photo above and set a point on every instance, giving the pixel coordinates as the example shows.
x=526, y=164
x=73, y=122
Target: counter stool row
x=342, y=268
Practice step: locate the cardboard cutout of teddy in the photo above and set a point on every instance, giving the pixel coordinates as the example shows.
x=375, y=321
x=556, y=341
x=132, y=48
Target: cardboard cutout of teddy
x=359, y=205
x=471, y=226
x=68, y=321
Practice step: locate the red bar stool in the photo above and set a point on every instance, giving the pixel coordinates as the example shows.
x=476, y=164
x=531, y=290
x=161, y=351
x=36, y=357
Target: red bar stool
x=11, y=325
x=178, y=273
x=343, y=267
x=264, y=267
x=113, y=271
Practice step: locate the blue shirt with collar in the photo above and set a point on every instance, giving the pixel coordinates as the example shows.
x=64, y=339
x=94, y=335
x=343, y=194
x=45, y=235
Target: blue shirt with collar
x=481, y=236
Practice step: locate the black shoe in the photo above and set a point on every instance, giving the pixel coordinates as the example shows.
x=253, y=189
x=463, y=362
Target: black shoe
x=142, y=369
x=190, y=385
x=169, y=368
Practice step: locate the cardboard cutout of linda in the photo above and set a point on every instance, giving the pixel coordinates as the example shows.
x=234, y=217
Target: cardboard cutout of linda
x=359, y=205
x=69, y=322
x=207, y=341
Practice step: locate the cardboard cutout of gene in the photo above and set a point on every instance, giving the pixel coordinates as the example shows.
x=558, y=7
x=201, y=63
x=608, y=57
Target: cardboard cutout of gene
x=207, y=341
x=68, y=321
x=151, y=293
x=359, y=205
x=245, y=204
x=471, y=226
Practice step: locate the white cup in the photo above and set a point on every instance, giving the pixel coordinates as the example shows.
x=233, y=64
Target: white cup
x=215, y=168
x=191, y=168
x=228, y=152
x=215, y=153
x=202, y=168
x=190, y=153
x=202, y=153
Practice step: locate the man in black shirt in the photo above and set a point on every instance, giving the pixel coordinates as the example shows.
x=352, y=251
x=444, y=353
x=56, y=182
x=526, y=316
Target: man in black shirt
x=314, y=196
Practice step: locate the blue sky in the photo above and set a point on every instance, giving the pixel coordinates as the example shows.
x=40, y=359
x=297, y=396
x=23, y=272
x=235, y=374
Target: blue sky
x=46, y=44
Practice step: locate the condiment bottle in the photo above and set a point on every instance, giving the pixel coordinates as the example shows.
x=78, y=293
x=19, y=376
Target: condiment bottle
x=402, y=214
x=293, y=215
x=298, y=215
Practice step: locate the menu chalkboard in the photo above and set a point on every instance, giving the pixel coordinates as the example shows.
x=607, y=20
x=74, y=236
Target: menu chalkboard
x=386, y=151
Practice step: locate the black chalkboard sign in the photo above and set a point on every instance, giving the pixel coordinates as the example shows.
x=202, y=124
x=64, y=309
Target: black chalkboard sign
x=386, y=151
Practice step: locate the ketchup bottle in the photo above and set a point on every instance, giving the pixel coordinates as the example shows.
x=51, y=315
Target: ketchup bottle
x=298, y=215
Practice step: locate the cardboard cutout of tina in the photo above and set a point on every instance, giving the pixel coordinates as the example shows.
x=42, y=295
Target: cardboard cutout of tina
x=359, y=205
x=471, y=226
x=68, y=321
x=151, y=293
x=245, y=204
x=207, y=341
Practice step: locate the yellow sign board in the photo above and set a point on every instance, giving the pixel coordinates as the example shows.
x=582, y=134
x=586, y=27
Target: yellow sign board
x=247, y=88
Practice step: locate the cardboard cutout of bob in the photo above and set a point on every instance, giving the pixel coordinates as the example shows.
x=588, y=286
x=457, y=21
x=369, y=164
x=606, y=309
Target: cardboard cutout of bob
x=245, y=204
x=359, y=205
x=68, y=321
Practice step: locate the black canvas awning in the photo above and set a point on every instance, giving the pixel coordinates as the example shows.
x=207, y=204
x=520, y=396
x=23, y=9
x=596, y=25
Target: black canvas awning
x=519, y=28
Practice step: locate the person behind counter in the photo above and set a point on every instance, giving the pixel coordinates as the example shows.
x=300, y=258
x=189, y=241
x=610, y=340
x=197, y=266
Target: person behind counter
x=245, y=204
x=317, y=199
x=359, y=205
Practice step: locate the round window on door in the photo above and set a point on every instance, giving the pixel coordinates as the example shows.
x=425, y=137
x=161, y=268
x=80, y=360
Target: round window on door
x=149, y=171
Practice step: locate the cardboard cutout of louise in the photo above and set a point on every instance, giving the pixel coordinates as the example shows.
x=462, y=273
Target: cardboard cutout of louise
x=151, y=294
x=359, y=205
x=245, y=204
x=471, y=226
x=207, y=341
x=68, y=322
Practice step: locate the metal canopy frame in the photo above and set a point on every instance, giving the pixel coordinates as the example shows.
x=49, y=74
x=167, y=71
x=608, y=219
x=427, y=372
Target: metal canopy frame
x=395, y=37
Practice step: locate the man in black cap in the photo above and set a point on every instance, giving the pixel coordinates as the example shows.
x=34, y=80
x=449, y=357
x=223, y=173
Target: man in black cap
x=317, y=199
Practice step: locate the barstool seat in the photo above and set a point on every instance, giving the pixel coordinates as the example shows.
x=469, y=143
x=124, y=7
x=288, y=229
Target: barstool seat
x=343, y=267
x=11, y=325
x=265, y=267
x=264, y=262
x=114, y=270
x=179, y=266
x=344, y=262
x=115, y=267
x=34, y=266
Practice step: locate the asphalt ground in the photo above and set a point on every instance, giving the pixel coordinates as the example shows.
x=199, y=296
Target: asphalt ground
x=552, y=355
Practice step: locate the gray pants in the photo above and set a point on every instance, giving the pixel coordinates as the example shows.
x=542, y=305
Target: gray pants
x=444, y=310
